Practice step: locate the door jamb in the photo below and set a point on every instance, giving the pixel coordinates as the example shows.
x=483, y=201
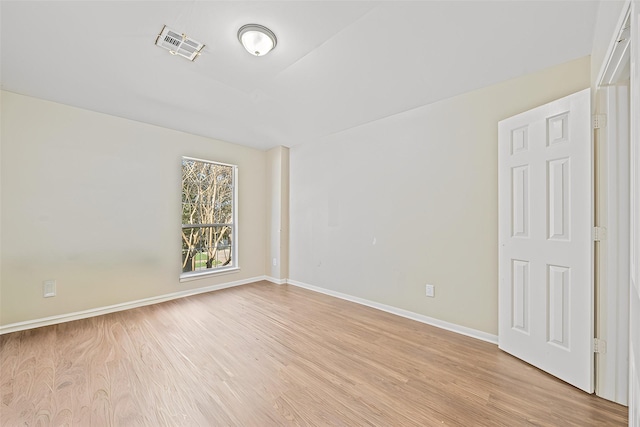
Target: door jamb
x=612, y=310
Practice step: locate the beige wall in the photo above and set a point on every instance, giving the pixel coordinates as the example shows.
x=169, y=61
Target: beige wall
x=93, y=201
x=380, y=210
x=423, y=184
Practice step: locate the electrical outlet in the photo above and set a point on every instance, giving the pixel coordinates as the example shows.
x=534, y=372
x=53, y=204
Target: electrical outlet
x=431, y=291
x=275, y=262
x=49, y=288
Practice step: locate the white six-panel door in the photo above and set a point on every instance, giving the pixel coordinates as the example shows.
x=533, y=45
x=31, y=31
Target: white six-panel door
x=545, y=240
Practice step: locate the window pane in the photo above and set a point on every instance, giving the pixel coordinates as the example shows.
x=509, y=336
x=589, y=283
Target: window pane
x=206, y=247
x=207, y=193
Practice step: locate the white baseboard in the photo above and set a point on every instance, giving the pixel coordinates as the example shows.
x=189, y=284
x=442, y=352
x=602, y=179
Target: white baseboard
x=52, y=320
x=463, y=330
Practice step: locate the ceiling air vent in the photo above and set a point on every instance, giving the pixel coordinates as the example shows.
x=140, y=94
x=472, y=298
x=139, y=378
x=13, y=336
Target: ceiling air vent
x=178, y=44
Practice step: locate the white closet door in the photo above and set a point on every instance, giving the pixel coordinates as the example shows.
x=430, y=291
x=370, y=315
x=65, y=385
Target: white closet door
x=545, y=238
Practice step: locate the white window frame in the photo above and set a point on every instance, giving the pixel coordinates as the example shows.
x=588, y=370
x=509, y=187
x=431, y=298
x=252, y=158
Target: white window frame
x=235, y=266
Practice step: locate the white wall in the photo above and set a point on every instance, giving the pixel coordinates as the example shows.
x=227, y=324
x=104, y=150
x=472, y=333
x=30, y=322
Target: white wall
x=380, y=210
x=277, y=262
x=93, y=201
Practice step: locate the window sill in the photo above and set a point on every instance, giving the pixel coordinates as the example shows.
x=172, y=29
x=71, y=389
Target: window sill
x=187, y=277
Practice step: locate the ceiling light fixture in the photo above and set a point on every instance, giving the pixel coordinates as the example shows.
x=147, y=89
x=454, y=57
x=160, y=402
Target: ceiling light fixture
x=256, y=39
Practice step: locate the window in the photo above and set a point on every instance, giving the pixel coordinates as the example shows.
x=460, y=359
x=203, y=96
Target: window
x=209, y=226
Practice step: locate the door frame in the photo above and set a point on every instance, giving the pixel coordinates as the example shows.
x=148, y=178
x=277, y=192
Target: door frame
x=634, y=270
x=612, y=250
x=612, y=273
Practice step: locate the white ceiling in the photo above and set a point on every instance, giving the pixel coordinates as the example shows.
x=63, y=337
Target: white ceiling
x=338, y=64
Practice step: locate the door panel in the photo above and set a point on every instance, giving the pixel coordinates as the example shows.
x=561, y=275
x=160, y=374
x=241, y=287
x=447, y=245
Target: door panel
x=545, y=253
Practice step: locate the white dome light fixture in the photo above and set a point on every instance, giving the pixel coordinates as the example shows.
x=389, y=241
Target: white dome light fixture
x=257, y=39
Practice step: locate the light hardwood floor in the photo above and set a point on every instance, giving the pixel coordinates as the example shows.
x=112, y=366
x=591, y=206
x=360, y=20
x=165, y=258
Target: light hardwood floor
x=269, y=355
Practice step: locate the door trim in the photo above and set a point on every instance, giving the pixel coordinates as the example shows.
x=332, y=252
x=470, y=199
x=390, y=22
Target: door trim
x=612, y=256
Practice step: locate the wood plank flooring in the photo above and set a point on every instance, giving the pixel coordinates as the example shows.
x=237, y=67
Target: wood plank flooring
x=269, y=355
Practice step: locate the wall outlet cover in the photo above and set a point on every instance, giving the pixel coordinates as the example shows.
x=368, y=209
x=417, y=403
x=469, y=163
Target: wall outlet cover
x=431, y=291
x=49, y=288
